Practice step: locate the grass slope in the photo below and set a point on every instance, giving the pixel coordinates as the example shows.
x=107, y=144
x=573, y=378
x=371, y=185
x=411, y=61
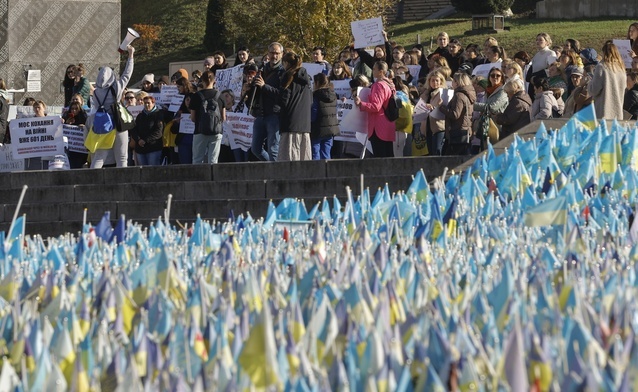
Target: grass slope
x=183, y=25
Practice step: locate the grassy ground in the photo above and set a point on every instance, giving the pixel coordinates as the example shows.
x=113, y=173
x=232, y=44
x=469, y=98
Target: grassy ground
x=522, y=33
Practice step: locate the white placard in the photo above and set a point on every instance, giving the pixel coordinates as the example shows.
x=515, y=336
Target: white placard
x=343, y=109
x=230, y=78
x=7, y=163
x=167, y=93
x=446, y=96
x=342, y=88
x=624, y=47
x=414, y=71
x=186, y=125
x=484, y=69
x=239, y=129
x=75, y=135
x=36, y=137
x=356, y=120
x=34, y=74
x=313, y=69
x=176, y=103
x=367, y=32
x=34, y=86
x=421, y=112
x=135, y=110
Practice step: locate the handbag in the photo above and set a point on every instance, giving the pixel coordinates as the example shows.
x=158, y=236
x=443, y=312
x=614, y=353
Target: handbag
x=124, y=120
x=493, y=131
x=168, y=137
x=419, y=144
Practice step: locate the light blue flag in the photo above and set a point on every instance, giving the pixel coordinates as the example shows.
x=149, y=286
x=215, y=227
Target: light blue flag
x=17, y=229
x=550, y=212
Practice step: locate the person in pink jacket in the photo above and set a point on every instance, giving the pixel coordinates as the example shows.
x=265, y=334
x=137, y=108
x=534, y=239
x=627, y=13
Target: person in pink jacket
x=381, y=131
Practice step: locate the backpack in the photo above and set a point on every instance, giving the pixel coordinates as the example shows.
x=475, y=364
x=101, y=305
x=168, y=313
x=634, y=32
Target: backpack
x=392, y=109
x=209, y=116
x=102, y=122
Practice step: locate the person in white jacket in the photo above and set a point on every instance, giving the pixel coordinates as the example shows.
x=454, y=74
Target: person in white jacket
x=106, y=79
x=545, y=104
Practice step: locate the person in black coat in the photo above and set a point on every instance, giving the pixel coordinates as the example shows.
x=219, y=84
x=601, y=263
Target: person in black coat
x=295, y=99
x=147, y=134
x=630, y=104
x=324, y=122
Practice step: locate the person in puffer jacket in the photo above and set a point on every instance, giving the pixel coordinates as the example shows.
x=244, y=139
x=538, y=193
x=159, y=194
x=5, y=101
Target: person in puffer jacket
x=545, y=103
x=458, y=115
x=324, y=124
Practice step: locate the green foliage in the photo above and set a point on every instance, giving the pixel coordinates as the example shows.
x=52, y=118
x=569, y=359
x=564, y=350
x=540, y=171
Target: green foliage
x=524, y=6
x=482, y=7
x=298, y=25
x=215, y=32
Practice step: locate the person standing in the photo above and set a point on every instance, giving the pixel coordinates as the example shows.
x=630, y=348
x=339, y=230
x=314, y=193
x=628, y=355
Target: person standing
x=295, y=97
x=325, y=125
x=147, y=134
x=208, y=113
x=541, y=61
x=381, y=131
x=108, y=89
x=608, y=83
x=266, y=107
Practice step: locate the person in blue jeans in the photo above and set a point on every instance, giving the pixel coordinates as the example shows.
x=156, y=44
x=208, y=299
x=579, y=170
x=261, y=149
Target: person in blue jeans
x=147, y=134
x=324, y=123
x=265, y=106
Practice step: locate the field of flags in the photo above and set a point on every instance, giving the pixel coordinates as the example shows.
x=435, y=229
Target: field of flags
x=518, y=274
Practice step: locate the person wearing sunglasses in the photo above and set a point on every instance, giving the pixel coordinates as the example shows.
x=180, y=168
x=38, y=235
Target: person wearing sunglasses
x=496, y=99
x=129, y=99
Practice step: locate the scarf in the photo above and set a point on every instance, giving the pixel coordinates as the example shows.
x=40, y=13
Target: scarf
x=490, y=89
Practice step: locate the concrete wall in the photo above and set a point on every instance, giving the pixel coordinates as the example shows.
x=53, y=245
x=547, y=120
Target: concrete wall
x=49, y=35
x=586, y=8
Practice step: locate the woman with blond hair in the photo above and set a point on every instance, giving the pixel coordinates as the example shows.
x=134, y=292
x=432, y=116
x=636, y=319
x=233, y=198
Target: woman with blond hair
x=434, y=127
x=541, y=60
x=608, y=83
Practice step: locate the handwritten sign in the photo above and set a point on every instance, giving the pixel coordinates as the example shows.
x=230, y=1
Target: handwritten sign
x=135, y=110
x=176, y=103
x=342, y=88
x=186, y=125
x=421, y=112
x=75, y=136
x=7, y=163
x=446, y=96
x=239, y=129
x=230, y=79
x=167, y=93
x=624, y=47
x=36, y=137
x=367, y=32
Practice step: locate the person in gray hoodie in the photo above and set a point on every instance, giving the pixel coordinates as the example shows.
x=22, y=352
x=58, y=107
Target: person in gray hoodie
x=106, y=79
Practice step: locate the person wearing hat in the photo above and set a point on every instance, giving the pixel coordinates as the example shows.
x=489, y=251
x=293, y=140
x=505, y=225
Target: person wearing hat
x=148, y=84
x=579, y=98
x=589, y=56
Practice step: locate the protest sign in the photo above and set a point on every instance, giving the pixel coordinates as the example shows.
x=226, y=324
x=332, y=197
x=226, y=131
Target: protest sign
x=624, y=47
x=239, y=128
x=414, y=71
x=484, y=69
x=167, y=93
x=186, y=125
x=230, y=79
x=135, y=110
x=355, y=120
x=446, y=96
x=367, y=32
x=421, y=112
x=176, y=103
x=342, y=88
x=75, y=136
x=347, y=134
x=36, y=137
x=7, y=163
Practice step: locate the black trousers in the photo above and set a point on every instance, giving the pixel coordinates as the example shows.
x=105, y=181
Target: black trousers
x=381, y=148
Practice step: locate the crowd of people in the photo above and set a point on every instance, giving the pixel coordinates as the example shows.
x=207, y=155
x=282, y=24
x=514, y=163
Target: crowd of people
x=296, y=117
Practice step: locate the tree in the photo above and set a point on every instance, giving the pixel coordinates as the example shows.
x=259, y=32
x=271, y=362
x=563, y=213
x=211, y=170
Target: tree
x=213, y=38
x=299, y=25
x=482, y=7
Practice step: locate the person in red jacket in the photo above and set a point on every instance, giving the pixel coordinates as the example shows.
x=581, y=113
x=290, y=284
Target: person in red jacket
x=381, y=131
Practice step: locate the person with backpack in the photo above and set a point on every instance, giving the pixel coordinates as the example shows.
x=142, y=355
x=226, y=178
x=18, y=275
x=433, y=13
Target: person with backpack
x=108, y=90
x=381, y=131
x=208, y=113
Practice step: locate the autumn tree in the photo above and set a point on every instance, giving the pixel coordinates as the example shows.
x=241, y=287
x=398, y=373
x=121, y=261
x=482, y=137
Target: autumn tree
x=299, y=25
